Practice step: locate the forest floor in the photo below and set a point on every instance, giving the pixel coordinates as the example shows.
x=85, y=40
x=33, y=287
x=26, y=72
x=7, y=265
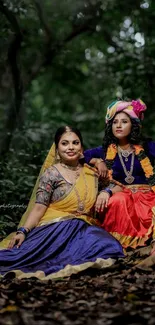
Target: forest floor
x=123, y=294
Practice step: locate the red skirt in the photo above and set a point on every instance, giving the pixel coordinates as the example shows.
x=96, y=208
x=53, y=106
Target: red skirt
x=129, y=217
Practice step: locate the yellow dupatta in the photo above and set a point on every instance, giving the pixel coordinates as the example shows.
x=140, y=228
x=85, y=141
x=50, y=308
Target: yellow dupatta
x=62, y=209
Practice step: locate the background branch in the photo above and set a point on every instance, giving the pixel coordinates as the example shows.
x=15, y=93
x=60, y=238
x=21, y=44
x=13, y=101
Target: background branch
x=43, y=19
x=52, y=49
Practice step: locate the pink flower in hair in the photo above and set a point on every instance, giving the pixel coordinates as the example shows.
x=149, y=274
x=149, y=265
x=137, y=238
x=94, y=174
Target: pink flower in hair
x=138, y=107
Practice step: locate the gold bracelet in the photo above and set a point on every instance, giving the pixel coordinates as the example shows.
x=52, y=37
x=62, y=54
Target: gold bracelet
x=99, y=160
x=28, y=229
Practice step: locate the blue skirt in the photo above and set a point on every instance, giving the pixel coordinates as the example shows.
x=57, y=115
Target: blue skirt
x=53, y=247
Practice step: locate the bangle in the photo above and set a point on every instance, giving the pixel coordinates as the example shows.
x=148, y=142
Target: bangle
x=99, y=160
x=108, y=190
x=22, y=230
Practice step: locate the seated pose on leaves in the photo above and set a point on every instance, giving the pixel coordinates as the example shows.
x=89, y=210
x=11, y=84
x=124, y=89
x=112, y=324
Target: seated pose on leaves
x=58, y=234
x=127, y=214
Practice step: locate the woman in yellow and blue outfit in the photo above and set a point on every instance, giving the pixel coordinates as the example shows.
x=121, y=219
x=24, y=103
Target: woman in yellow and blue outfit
x=58, y=235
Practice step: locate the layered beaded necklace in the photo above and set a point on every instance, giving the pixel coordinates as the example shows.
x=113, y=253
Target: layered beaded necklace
x=124, y=152
x=129, y=178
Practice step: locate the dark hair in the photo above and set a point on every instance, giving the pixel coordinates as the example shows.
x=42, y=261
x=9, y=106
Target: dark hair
x=135, y=136
x=64, y=129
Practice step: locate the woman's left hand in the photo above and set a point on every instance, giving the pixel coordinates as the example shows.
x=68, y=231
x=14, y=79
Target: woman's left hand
x=16, y=240
x=102, y=201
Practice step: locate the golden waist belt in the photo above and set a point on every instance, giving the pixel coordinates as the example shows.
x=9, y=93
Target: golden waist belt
x=139, y=187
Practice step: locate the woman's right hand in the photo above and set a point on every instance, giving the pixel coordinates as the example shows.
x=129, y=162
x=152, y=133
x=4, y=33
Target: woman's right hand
x=102, y=168
x=102, y=201
x=16, y=240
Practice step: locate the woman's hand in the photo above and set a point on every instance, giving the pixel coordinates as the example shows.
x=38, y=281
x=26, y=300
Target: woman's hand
x=102, y=201
x=102, y=168
x=16, y=240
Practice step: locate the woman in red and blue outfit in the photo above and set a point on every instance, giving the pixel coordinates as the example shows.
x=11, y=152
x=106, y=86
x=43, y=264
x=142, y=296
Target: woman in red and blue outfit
x=125, y=206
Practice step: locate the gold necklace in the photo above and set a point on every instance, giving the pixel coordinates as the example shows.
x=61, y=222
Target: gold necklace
x=75, y=169
x=81, y=202
x=70, y=167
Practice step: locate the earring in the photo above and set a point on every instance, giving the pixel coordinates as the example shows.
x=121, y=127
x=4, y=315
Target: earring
x=81, y=156
x=57, y=157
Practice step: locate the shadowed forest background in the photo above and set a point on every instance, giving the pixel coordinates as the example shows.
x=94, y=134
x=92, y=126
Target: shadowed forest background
x=62, y=62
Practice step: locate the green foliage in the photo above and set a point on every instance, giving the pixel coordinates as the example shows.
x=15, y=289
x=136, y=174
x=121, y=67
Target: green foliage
x=18, y=175
x=17, y=179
